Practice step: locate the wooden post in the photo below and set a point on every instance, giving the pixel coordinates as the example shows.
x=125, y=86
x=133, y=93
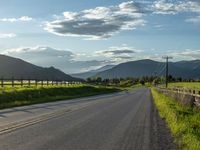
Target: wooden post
x=194, y=91
x=42, y=83
x=13, y=84
x=52, y=82
x=29, y=82
x=21, y=82
x=36, y=82
x=2, y=83
x=47, y=82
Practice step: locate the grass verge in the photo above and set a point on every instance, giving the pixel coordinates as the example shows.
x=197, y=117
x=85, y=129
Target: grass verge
x=184, y=122
x=28, y=96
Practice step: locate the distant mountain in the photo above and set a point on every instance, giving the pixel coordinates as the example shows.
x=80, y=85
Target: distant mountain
x=17, y=68
x=184, y=69
x=91, y=73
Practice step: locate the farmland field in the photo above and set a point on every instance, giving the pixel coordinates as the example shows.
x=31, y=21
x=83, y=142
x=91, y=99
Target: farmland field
x=19, y=96
x=185, y=85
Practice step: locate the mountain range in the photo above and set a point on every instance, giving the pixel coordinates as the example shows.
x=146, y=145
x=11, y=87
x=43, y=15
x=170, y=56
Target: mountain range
x=16, y=68
x=146, y=67
x=92, y=73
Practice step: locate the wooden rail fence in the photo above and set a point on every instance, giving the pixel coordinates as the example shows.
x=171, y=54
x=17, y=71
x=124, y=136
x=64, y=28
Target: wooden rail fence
x=181, y=93
x=34, y=82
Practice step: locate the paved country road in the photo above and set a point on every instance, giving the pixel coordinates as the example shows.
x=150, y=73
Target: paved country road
x=126, y=121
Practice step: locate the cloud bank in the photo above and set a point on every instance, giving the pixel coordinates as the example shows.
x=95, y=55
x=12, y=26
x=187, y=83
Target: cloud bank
x=47, y=56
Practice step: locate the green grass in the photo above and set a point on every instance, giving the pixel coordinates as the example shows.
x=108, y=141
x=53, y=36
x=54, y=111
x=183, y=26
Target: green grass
x=19, y=96
x=183, y=121
x=185, y=85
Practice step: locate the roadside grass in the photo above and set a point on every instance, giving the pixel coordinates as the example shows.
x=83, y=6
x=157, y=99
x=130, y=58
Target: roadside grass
x=184, y=122
x=20, y=96
x=185, y=85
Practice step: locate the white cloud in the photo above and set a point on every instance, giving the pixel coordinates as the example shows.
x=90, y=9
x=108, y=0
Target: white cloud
x=112, y=51
x=119, y=54
x=118, y=50
x=194, y=19
x=165, y=7
x=187, y=54
x=25, y=18
x=40, y=53
x=98, y=23
x=7, y=35
x=22, y=18
x=176, y=54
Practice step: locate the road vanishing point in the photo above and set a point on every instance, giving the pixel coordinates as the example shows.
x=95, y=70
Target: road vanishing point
x=121, y=121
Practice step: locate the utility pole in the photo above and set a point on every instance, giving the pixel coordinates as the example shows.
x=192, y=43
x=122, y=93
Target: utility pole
x=167, y=69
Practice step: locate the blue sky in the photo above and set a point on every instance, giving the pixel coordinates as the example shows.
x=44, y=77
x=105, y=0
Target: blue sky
x=77, y=36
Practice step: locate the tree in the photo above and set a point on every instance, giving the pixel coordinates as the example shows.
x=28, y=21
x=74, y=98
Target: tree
x=142, y=82
x=98, y=79
x=89, y=80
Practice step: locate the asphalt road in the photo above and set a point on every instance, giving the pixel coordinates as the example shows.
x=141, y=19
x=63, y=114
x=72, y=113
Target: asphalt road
x=126, y=121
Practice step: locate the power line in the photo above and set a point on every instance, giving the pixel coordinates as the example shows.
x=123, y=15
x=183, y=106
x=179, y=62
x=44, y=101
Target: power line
x=162, y=68
x=167, y=69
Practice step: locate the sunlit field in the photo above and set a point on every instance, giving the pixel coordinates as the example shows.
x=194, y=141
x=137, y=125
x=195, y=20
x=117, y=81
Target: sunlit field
x=185, y=85
x=19, y=96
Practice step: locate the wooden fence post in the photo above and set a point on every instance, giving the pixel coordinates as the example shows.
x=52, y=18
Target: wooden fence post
x=2, y=83
x=36, y=82
x=21, y=82
x=13, y=82
x=29, y=82
x=47, y=82
x=194, y=91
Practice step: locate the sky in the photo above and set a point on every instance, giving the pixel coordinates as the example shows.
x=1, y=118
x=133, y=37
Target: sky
x=76, y=36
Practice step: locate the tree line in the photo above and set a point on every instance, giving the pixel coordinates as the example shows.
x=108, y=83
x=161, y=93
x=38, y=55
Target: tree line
x=136, y=80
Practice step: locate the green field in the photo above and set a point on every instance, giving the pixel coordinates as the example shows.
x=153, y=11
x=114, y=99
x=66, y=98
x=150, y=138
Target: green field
x=19, y=96
x=185, y=85
x=184, y=122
